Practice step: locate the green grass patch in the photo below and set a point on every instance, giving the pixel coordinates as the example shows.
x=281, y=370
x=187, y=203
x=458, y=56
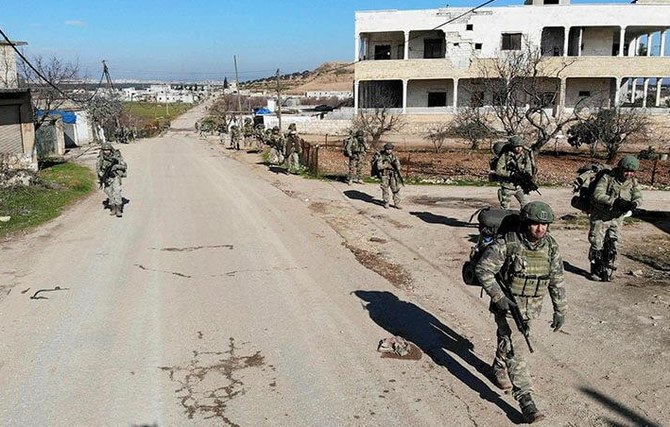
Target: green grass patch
x=61, y=185
x=154, y=111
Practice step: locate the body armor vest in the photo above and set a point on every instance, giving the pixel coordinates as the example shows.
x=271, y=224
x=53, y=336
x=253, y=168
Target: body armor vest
x=527, y=271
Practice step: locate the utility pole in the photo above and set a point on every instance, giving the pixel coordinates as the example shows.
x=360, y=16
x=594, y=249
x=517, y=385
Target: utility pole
x=278, y=100
x=237, y=85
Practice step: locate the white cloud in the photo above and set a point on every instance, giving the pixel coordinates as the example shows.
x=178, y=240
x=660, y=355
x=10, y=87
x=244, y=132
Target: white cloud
x=75, y=23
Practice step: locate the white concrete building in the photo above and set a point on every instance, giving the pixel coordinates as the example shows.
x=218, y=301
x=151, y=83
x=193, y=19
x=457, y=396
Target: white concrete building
x=430, y=60
x=346, y=94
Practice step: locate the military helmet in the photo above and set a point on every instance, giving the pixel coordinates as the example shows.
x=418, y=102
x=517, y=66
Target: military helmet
x=539, y=212
x=516, y=141
x=247, y=120
x=359, y=132
x=106, y=146
x=275, y=129
x=292, y=126
x=629, y=163
x=388, y=146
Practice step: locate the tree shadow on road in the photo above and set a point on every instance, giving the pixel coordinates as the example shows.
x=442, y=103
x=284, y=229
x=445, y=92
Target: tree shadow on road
x=660, y=219
x=442, y=344
x=618, y=407
x=431, y=218
x=359, y=195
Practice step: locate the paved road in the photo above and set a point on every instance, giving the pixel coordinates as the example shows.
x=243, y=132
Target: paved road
x=214, y=300
x=228, y=295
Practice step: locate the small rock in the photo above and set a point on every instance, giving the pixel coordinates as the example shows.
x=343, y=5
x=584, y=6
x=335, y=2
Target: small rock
x=655, y=317
x=636, y=273
x=603, y=321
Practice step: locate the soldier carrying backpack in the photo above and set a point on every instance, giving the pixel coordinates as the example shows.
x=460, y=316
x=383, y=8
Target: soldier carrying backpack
x=354, y=148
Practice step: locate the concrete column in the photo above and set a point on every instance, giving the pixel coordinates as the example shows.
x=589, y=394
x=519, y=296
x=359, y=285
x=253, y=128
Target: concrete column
x=356, y=83
x=454, y=102
x=636, y=47
x=631, y=46
x=645, y=91
x=664, y=33
x=579, y=44
x=633, y=89
x=622, y=38
x=561, y=96
x=357, y=48
x=650, y=38
x=404, y=96
x=406, y=45
x=617, y=91
x=566, y=36
x=659, y=83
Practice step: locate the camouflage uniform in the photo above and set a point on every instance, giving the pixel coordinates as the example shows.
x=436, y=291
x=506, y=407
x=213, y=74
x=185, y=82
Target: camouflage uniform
x=606, y=214
x=248, y=132
x=356, y=150
x=277, y=144
x=529, y=271
x=235, y=137
x=110, y=168
x=388, y=165
x=508, y=162
x=293, y=150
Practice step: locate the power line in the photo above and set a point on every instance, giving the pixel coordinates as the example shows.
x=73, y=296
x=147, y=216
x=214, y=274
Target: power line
x=432, y=29
x=40, y=75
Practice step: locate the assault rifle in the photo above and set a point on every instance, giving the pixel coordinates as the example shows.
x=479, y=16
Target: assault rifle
x=108, y=172
x=524, y=180
x=514, y=310
x=396, y=169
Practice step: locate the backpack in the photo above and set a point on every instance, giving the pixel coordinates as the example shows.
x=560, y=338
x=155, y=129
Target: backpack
x=585, y=183
x=374, y=165
x=493, y=222
x=498, y=149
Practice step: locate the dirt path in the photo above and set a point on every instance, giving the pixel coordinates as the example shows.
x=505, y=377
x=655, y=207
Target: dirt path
x=230, y=295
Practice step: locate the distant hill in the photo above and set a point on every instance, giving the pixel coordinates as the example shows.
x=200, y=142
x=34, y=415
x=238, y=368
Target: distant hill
x=335, y=76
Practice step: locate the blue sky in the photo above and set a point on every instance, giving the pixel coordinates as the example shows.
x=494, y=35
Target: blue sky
x=171, y=39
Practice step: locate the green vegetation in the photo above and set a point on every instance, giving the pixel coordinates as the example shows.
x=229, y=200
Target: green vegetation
x=60, y=186
x=153, y=111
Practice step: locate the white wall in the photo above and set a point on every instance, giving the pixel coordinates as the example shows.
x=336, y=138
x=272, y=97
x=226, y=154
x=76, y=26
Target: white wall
x=598, y=41
x=599, y=89
x=417, y=91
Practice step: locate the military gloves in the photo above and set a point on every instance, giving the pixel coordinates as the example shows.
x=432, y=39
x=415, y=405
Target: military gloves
x=557, y=324
x=624, y=205
x=504, y=304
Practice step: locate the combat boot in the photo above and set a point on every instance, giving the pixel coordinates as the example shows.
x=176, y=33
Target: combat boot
x=112, y=210
x=386, y=205
x=502, y=379
x=529, y=410
x=119, y=211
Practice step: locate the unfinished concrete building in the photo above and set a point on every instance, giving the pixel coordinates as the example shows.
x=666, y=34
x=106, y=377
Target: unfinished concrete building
x=430, y=61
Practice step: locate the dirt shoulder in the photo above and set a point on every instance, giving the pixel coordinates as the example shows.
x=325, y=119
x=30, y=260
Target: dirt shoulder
x=609, y=365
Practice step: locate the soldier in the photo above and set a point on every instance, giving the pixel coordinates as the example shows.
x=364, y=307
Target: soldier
x=277, y=143
x=235, y=137
x=515, y=160
x=528, y=264
x=387, y=166
x=111, y=168
x=615, y=194
x=247, y=132
x=293, y=150
x=355, y=149
x=259, y=135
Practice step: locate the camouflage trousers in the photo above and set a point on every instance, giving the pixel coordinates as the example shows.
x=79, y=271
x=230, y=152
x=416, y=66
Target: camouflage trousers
x=356, y=167
x=390, y=181
x=275, y=157
x=293, y=162
x=599, y=228
x=505, y=195
x=511, y=355
x=112, y=189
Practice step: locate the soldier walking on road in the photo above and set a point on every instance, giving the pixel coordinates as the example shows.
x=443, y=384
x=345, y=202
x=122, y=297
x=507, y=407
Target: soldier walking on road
x=615, y=194
x=516, y=271
x=513, y=161
x=355, y=149
x=110, y=168
x=277, y=142
x=387, y=167
x=293, y=149
x=248, y=132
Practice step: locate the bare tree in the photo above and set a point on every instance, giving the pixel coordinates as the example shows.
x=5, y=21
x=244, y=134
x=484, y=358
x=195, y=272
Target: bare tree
x=472, y=124
x=380, y=118
x=49, y=97
x=611, y=127
x=438, y=134
x=525, y=86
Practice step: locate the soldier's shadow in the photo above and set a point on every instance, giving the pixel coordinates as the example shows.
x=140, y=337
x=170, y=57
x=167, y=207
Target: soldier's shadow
x=124, y=202
x=432, y=218
x=441, y=343
x=359, y=195
x=576, y=270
